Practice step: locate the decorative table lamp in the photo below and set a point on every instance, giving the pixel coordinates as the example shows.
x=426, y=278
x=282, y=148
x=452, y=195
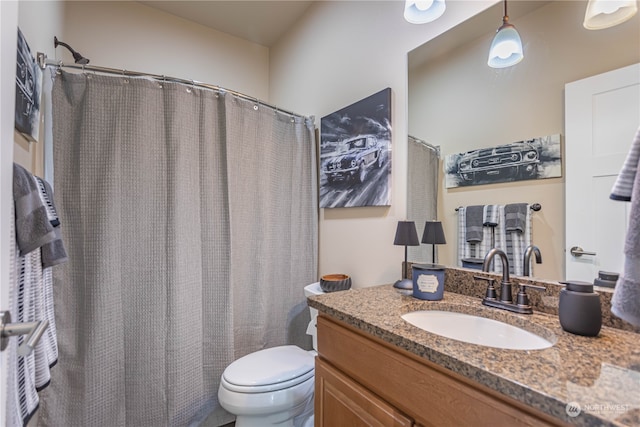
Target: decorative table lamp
x=406, y=235
x=433, y=234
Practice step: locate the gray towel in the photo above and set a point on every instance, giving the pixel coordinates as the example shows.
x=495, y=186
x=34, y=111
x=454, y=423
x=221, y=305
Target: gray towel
x=491, y=216
x=474, y=219
x=516, y=217
x=53, y=253
x=33, y=228
x=624, y=183
x=626, y=296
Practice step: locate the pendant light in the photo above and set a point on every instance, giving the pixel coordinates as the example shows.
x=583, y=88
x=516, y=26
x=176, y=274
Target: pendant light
x=423, y=11
x=506, y=48
x=607, y=13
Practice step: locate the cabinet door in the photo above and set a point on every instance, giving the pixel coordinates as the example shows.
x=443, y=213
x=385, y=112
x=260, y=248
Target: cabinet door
x=341, y=402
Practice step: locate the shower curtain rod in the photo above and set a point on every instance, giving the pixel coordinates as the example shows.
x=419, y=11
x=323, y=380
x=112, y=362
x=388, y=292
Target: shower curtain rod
x=44, y=62
x=534, y=207
x=426, y=144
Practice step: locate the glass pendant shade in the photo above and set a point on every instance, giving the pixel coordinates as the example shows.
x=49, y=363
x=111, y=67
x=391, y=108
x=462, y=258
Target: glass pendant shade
x=423, y=11
x=602, y=14
x=506, y=47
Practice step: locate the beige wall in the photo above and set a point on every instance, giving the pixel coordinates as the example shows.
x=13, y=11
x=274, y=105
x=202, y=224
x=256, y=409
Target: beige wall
x=458, y=102
x=129, y=35
x=338, y=54
x=132, y=36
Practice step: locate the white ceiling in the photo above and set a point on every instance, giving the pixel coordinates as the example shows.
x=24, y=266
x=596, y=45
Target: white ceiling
x=262, y=22
x=265, y=21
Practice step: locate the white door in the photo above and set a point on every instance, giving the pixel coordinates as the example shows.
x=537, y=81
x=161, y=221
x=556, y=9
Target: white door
x=602, y=115
x=9, y=28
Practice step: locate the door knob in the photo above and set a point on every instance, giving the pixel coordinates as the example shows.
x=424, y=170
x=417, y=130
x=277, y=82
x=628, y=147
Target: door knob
x=577, y=251
x=33, y=329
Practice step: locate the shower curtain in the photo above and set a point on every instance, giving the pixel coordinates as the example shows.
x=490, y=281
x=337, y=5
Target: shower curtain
x=190, y=219
x=422, y=193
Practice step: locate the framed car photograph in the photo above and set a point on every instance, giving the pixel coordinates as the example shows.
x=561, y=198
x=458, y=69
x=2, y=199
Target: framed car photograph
x=536, y=158
x=28, y=91
x=355, y=154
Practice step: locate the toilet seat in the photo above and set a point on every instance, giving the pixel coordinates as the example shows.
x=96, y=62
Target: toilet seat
x=268, y=370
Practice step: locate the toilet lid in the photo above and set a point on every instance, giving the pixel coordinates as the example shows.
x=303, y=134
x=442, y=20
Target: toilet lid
x=270, y=369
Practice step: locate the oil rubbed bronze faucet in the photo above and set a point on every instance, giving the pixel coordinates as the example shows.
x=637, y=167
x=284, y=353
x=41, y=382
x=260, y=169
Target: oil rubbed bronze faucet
x=527, y=258
x=505, y=302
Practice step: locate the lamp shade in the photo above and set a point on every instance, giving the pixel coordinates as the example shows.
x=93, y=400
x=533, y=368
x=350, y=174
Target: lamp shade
x=406, y=234
x=506, y=47
x=433, y=233
x=423, y=11
x=607, y=13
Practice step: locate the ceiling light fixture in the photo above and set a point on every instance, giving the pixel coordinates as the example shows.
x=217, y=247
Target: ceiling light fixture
x=608, y=13
x=423, y=11
x=506, y=47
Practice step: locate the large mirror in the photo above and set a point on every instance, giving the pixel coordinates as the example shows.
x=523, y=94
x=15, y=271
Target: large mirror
x=460, y=104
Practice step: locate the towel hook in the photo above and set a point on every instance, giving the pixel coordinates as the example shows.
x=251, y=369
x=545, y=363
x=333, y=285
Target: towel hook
x=33, y=329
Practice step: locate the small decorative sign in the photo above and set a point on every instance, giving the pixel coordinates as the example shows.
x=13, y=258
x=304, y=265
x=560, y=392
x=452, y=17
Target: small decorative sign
x=427, y=283
x=536, y=158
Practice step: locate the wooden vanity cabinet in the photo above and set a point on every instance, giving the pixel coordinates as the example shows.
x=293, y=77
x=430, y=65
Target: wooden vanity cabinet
x=364, y=381
x=340, y=401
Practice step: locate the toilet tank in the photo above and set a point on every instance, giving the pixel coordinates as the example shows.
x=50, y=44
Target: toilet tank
x=310, y=290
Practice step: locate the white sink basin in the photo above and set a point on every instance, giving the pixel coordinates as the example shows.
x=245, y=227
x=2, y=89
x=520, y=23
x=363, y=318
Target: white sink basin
x=476, y=330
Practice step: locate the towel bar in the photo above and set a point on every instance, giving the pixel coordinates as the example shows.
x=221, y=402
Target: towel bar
x=33, y=329
x=534, y=207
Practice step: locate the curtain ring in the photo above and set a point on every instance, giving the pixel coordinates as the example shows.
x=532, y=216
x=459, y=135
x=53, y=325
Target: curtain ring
x=124, y=74
x=190, y=89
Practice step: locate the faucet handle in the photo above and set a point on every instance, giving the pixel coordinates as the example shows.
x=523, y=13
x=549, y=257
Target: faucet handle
x=491, y=290
x=522, y=298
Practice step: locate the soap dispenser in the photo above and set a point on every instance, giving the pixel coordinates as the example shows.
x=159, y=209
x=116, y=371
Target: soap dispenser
x=579, y=309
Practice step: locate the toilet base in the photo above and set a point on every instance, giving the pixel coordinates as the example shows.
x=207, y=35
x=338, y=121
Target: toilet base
x=287, y=418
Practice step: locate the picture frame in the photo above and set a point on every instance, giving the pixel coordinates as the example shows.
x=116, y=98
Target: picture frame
x=537, y=158
x=355, y=154
x=28, y=91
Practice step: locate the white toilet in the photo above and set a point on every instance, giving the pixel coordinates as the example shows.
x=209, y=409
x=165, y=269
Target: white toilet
x=273, y=387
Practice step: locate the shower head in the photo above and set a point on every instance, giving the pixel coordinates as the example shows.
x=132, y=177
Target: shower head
x=79, y=59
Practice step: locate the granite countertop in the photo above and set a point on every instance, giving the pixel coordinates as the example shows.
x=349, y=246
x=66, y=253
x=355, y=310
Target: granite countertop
x=601, y=374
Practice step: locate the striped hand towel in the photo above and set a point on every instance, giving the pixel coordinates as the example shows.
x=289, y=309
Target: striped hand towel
x=623, y=186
